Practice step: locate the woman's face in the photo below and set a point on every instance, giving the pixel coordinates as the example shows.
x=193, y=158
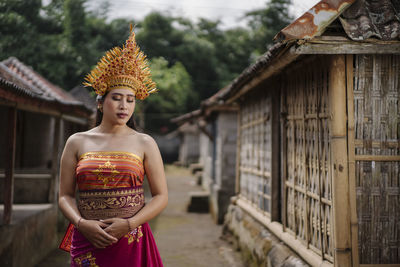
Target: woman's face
x=118, y=106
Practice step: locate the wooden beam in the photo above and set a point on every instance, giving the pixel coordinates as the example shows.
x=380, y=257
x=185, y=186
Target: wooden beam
x=377, y=158
x=32, y=106
x=347, y=48
x=9, y=164
x=275, y=160
x=29, y=175
x=203, y=127
x=238, y=148
x=74, y=119
x=280, y=62
x=340, y=183
x=351, y=163
x=55, y=161
x=297, y=245
x=283, y=147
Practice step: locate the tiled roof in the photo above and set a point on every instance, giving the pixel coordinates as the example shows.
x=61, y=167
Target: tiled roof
x=83, y=94
x=20, y=80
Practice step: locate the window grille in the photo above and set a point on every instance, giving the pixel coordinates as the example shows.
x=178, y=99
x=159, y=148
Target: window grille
x=307, y=182
x=255, y=152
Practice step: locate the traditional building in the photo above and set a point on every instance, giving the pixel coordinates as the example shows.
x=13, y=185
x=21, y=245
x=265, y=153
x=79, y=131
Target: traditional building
x=214, y=128
x=37, y=117
x=218, y=153
x=318, y=154
x=188, y=134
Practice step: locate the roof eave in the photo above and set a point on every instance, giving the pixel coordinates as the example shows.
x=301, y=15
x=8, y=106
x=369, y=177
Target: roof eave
x=314, y=22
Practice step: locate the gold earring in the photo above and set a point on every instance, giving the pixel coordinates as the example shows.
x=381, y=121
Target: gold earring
x=100, y=107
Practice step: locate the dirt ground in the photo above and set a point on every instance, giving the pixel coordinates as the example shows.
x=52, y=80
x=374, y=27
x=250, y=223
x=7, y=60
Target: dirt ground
x=183, y=239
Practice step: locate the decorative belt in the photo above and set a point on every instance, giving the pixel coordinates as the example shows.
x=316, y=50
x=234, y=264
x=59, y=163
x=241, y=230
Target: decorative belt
x=110, y=203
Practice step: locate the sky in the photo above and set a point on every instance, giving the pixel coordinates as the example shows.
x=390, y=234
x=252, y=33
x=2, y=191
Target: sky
x=230, y=15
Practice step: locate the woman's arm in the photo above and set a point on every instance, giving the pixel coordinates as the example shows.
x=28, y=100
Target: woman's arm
x=154, y=169
x=91, y=229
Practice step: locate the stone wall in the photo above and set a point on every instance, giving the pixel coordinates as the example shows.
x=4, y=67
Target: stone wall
x=222, y=188
x=258, y=246
x=31, y=235
x=206, y=159
x=190, y=150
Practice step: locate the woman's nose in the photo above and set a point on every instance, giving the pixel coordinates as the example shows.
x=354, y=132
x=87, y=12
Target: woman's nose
x=123, y=104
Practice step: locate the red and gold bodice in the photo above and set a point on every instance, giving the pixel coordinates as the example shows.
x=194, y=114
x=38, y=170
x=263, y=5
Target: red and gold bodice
x=109, y=184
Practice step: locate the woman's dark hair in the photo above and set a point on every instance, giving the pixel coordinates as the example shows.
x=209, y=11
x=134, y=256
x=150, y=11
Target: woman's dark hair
x=99, y=115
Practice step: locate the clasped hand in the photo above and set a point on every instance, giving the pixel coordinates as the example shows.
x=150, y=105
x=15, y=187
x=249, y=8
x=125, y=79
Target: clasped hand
x=104, y=232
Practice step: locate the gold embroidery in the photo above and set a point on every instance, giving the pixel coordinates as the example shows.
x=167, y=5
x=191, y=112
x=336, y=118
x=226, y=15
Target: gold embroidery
x=106, y=172
x=111, y=193
x=110, y=155
x=86, y=260
x=136, y=234
x=111, y=203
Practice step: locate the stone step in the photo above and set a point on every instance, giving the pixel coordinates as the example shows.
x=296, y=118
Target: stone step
x=199, y=202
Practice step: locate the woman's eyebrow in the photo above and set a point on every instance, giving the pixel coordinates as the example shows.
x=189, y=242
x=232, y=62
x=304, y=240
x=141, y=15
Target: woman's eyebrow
x=119, y=94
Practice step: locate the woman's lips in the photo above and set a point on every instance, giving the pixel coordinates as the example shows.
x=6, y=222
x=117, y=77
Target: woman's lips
x=122, y=115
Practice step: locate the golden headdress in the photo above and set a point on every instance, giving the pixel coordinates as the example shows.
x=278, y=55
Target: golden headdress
x=125, y=67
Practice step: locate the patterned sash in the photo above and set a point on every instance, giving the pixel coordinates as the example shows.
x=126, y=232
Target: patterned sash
x=110, y=203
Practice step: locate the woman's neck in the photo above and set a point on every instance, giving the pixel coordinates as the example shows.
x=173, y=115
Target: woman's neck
x=112, y=129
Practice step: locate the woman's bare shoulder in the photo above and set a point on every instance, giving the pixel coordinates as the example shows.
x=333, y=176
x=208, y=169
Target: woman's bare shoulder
x=78, y=138
x=145, y=139
x=148, y=144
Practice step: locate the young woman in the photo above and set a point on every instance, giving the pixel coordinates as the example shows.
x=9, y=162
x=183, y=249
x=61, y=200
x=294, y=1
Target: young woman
x=107, y=165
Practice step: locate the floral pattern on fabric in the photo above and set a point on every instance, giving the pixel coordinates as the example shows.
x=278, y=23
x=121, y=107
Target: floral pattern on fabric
x=135, y=235
x=86, y=260
x=106, y=172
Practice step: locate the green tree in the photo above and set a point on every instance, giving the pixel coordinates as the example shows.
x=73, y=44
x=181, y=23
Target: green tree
x=63, y=41
x=232, y=49
x=32, y=34
x=265, y=23
x=176, y=40
x=174, y=89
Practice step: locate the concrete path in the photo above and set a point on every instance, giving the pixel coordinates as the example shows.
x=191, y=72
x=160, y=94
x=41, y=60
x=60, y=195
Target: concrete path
x=183, y=239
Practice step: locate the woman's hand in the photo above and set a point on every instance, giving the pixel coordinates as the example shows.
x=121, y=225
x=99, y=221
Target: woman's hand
x=117, y=227
x=94, y=232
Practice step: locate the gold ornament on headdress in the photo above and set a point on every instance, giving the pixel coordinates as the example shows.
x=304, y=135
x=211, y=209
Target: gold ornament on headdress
x=125, y=67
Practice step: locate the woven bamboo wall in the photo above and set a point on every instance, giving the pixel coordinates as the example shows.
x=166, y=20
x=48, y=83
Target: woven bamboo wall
x=307, y=174
x=377, y=142
x=255, y=151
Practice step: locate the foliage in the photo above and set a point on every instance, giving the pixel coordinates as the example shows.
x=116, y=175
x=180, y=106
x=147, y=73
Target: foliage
x=174, y=86
x=267, y=22
x=190, y=61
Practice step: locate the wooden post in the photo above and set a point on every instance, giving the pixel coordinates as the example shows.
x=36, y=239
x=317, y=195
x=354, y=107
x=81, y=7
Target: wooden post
x=53, y=190
x=283, y=127
x=275, y=164
x=238, y=148
x=9, y=165
x=340, y=183
x=351, y=151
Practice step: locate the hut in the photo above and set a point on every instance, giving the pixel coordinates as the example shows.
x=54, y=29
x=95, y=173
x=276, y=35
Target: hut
x=215, y=125
x=218, y=153
x=188, y=134
x=318, y=150
x=37, y=117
